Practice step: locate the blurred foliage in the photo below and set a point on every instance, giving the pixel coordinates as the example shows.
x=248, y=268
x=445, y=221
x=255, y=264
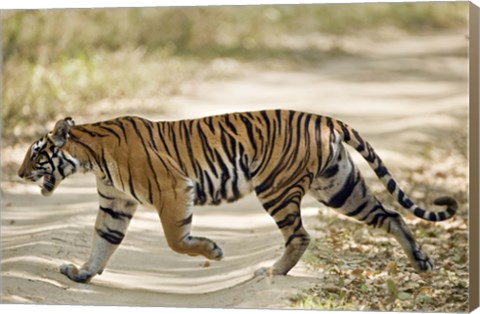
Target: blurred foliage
x=62, y=61
x=42, y=36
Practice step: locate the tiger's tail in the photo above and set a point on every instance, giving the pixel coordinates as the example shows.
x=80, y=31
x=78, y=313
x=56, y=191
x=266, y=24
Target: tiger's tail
x=352, y=138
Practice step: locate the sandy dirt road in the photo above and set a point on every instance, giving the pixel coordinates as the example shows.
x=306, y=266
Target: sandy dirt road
x=402, y=96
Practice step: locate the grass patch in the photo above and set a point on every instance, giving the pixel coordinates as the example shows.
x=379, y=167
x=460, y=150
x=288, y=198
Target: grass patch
x=313, y=302
x=48, y=34
x=36, y=93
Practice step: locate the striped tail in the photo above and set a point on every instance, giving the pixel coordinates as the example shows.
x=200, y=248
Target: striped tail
x=352, y=138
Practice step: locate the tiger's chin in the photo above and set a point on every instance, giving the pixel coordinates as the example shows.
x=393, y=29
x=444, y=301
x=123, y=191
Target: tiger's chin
x=48, y=185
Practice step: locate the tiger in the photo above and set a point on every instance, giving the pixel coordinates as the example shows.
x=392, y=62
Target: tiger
x=280, y=155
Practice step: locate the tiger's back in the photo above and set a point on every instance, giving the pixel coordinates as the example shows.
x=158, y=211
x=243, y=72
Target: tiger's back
x=227, y=156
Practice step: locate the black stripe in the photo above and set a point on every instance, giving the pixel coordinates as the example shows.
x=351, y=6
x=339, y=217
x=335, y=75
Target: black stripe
x=376, y=219
x=442, y=215
x=269, y=143
x=391, y=186
x=139, y=134
x=361, y=143
x=207, y=150
x=419, y=212
x=318, y=140
x=71, y=162
x=61, y=167
x=105, y=166
x=346, y=133
x=185, y=221
x=110, y=131
x=451, y=211
x=294, y=198
x=330, y=172
x=190, y=126
x=209, y=123
x=293, y=236
x=148, y=126
x=330, y=126
x=91, y=133
x=358, y=210
x=235, y=190
x=405, y=202
x=88, y=148
x=230, y=125
x=273, y=202
x=104, y=196
x=119, y=123
x=162, y=138
x=278, y=113
x=265, y=185
x=150, y=192
x=379, y=218
x=339, y=199
x=288, y=220
x=172, y=133
x=130, y=184
x=299, y=126
x=228, y=149
x=224, y=176
x=288, y=142
x=372, y=210
x=370, y=157
x=249, y=128
x=112, y=236
x=266, y=118
x=211, y=188
x=114, y=214
x=188, y=144
x=243, y=162
x=200, y=197
x=381, y=171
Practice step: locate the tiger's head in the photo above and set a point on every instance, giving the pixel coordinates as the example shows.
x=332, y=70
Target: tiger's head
x=45, y=159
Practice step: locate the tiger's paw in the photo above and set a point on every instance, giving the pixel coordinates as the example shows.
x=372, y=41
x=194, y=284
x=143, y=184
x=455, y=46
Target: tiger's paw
x=216, y=253
x=75, y=274
x=266, y=272
x=422, y=262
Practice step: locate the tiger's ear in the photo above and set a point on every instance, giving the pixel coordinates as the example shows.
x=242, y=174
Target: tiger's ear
x=60, y=132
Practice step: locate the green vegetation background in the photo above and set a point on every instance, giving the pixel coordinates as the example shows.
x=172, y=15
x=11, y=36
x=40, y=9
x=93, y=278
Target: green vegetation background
x=62, y=61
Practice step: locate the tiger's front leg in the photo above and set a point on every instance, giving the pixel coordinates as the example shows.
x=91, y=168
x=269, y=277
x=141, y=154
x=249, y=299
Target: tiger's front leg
x=114, y=215
x=175, y=214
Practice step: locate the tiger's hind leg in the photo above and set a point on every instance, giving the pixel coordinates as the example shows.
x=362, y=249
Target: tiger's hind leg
x=114, y=215
x=175, y=211
x=296, y=241
x=284, y=207
x=342, y=188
